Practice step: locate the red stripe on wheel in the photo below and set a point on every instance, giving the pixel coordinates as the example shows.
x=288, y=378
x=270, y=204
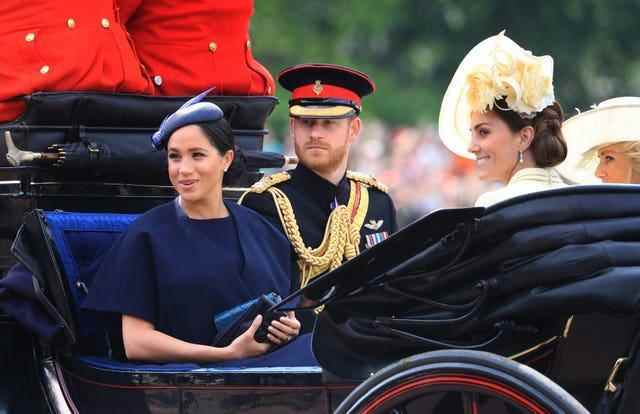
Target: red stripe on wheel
x=500, y=389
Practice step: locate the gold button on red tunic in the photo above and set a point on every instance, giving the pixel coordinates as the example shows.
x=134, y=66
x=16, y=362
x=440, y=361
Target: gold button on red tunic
x=196, y=45
x=63, y=46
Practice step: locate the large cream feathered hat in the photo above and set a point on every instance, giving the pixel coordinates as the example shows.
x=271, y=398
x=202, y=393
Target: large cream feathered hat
x=613, y=120
x=495, y=68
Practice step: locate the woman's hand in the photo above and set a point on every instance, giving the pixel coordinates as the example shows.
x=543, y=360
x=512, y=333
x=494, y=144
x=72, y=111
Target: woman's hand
x=245, y=346
x=284, y=329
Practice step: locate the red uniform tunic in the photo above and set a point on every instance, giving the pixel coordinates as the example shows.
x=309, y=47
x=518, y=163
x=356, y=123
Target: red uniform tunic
x=188, y=46
x=62, y=46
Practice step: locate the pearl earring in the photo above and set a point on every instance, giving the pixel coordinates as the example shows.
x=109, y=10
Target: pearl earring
x=520, y=157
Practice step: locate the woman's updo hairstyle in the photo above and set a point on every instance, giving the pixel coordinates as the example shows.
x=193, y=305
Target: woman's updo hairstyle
x=548, y=146
x=220, y=136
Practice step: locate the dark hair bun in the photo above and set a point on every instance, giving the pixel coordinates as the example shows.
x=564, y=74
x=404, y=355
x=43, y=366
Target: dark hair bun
x=549, y=147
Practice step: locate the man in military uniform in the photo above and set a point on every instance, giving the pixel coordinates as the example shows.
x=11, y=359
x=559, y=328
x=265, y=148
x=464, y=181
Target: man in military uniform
x=328, y=213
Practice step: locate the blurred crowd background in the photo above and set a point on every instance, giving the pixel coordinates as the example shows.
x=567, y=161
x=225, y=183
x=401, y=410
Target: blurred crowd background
x=411, y=48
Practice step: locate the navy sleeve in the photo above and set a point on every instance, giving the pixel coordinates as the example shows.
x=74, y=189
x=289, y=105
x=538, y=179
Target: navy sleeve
x=126, y=281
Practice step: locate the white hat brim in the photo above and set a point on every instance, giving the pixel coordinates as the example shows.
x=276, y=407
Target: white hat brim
x=454, y=121
x=594, y=128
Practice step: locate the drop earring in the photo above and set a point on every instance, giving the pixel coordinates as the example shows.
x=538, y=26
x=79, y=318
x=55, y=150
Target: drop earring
x=520, y=157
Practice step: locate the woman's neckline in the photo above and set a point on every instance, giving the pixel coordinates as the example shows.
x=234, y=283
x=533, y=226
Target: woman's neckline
x=179, y=206
x=539, y=172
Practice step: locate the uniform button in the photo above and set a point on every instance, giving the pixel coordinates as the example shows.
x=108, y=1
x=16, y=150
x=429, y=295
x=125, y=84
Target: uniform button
x=157, y=80
x=45, y=69
x=248, y=44
x=105, y=23
x=212, y=47
x=30, y=37
x=71, y=23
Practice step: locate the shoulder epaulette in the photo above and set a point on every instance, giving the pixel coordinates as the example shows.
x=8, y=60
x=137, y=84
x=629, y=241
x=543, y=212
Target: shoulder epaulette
x=367, y=180
x=269, y=181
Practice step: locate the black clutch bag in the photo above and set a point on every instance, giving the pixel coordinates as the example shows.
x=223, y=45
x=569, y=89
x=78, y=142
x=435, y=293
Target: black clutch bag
x=234, y=322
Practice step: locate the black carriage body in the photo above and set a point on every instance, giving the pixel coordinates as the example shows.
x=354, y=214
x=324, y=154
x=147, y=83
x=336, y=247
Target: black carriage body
x=72, y=375
x=37, y=383
x=98, y=390
x=551, y=279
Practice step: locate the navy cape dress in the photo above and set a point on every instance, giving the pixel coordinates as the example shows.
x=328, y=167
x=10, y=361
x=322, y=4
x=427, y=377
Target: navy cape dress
x=177, y=273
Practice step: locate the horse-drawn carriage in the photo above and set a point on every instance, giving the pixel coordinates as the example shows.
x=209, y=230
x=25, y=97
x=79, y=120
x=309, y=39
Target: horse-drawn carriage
x=527, y=306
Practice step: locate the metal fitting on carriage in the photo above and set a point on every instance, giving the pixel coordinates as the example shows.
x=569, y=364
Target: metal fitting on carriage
x=611, y=380
x=18, y=157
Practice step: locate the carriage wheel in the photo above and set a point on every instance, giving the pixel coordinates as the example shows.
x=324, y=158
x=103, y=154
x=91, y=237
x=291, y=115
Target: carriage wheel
x=464, y=382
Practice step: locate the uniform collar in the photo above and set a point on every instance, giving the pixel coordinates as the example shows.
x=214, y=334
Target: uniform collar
x=323, y=192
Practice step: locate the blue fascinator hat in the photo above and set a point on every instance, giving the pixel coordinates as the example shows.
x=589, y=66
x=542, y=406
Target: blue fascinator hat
x=193, y=111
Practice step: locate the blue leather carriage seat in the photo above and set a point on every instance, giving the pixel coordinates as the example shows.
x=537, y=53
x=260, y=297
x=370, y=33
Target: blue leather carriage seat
x=80, y=240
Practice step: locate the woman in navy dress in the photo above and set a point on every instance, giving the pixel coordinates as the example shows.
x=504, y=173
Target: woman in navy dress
x=182, y=262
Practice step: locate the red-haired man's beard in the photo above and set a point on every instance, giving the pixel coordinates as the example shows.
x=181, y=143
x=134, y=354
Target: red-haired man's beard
x=321, y=157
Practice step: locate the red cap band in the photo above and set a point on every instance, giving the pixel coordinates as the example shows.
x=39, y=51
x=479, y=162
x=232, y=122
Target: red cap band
x=323, y=91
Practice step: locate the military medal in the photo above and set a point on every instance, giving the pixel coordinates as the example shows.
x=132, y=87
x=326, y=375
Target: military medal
x=375, y=238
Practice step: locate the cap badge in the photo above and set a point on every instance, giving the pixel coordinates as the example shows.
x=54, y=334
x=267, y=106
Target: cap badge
x=317, y=88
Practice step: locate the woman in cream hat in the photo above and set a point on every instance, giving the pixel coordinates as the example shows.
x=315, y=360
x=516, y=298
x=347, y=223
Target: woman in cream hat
x=604, y=143
x=500, y=109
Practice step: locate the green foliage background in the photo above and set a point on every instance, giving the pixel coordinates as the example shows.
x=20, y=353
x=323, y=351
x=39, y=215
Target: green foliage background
x=411, y=48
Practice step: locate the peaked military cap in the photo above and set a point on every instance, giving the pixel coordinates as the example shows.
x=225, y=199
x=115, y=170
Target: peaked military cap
x=325, y=90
